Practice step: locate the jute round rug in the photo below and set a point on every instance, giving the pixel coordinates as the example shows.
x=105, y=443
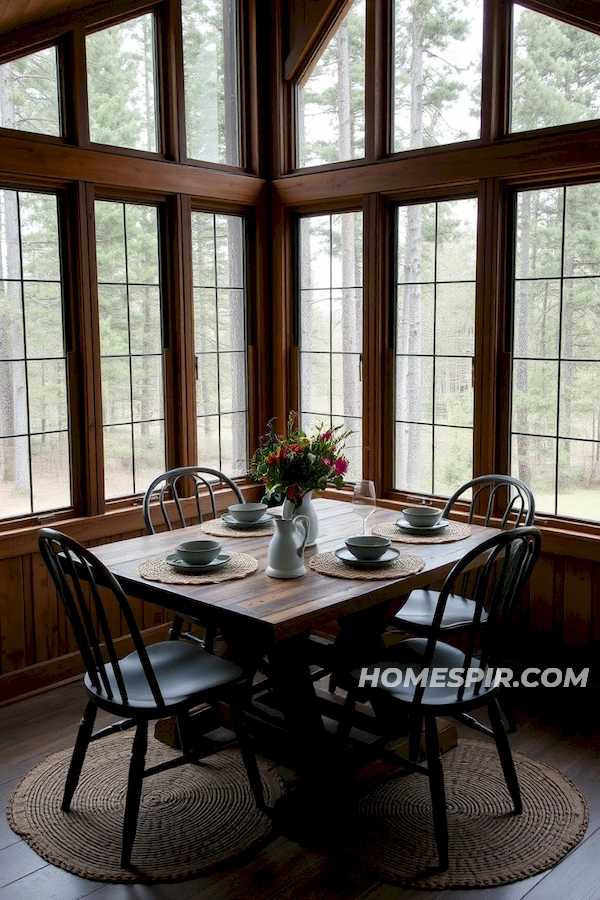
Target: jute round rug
x=192, y=818
x=392, y=836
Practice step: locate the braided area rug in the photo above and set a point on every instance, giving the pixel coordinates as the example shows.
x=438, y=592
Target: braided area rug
x=193, y=818
x=392, y=836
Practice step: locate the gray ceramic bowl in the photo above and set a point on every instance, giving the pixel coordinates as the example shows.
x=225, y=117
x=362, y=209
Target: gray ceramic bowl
x=200, y=552
x=367, y=546
x=422, y=516
x=247, y=513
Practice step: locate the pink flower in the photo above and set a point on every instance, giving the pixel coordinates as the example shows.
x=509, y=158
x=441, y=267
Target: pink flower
x=327, y=462
x=340, y=466
x=325, y=436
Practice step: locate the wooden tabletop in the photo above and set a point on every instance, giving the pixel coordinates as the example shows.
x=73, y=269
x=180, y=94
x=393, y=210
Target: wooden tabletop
x=273, y=608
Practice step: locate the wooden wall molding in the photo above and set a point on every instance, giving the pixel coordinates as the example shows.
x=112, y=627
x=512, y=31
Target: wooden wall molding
x=534, y=157
x=21, y=157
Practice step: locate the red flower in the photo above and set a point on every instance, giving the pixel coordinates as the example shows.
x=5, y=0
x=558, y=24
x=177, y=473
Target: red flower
x=291, y=493
x=294, y=448
x=341, y=466
x=272, y=459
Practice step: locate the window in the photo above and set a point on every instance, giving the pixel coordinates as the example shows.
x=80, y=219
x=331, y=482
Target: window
x=34, y=419
x=220, y=341
x=555, y=72
x=435, y=346
x=121, y=74
x=129, y=299
x=210, y=61
x=556, y=349
x=437, y=73
x=29, y=97
x=331, y=327
x=331, y=99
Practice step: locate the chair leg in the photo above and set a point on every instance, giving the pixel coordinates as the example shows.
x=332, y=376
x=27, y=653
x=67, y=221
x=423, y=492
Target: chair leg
x=134, y=792
x=509, y=713
x=86, y=727
x=506, y=760
x=247, y=751
x=175, y=629
x=438, y=794
x=342, y=732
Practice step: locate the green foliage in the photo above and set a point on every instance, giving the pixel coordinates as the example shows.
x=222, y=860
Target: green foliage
x=556, y=73
x=121, y=89
x=294, y=464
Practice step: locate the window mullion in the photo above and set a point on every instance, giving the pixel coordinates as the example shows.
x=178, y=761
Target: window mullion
x=85, y=386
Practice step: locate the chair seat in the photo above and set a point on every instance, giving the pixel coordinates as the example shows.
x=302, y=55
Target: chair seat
x=407, y=656
x=419, y=610
x=181, y=669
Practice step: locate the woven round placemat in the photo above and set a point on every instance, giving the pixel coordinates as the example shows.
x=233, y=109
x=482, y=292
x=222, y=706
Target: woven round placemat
x=455, y=531
x=392, y=837
x=192, y=818
x=219, y=528
x=157, y=569
x=404, y=564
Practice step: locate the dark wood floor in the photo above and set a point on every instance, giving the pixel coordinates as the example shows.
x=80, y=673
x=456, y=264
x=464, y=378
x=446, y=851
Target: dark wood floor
x=33, y=728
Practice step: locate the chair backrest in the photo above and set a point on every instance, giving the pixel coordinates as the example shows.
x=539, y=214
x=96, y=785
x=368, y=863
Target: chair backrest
x=496, y=496
x=78, y=575
x=174, y=485
x=502, y=565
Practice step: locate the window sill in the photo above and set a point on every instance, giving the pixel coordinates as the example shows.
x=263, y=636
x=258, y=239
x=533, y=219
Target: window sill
x=121, y=522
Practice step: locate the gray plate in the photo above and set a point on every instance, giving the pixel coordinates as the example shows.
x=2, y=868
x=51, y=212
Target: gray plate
x=403, y=525
x=187, y=568
x=233, y=523
x=388, y=557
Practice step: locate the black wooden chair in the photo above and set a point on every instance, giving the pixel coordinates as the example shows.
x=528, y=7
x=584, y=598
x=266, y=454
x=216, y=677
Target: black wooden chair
x=501, y=498
x=165, y=679
x=515, y=508
x=166, y=498
x=502, y=564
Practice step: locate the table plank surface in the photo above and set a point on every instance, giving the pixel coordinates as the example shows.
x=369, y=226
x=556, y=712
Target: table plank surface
x=277, y=609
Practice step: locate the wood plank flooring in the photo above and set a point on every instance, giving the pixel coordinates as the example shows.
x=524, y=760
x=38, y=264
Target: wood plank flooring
x=283, y=870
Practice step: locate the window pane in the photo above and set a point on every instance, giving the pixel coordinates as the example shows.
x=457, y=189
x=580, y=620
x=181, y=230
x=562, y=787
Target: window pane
x=555, y=72
x=35, y=473
x=435, y=324
x=218, y=262
x=210, y=71
x=331, y=100
x=130, y=346
x=437, y=73
x=121, y=69
x=331, y=327
x=556, y=349
x=29, y=91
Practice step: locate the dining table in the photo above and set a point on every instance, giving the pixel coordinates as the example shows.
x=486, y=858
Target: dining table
x=265, y=618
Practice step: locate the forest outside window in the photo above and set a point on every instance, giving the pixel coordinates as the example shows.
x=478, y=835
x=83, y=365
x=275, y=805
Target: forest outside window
x=556, y=349
x=435, y=319
x=555, y=72
x=211, y=74
x=29, y=93
x=220, y=341
x=129, y=300
x=330, y=312
x=121, y=81
x=331, y=97
x=35, y=471
x=437, y=73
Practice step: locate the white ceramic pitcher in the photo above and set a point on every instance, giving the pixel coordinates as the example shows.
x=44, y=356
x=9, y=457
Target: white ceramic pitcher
x=286, y=550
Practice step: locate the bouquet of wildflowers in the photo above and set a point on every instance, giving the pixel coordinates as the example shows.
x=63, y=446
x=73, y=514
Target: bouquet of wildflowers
x=295, y=464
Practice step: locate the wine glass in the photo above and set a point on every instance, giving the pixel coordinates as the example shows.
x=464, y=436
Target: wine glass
x=364, y=501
